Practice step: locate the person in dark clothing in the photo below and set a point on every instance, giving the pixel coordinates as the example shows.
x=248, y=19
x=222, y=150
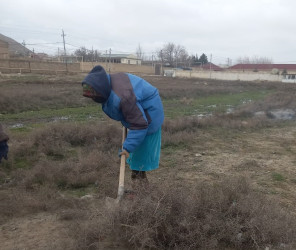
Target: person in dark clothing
x=3, y=144
x=137, y=105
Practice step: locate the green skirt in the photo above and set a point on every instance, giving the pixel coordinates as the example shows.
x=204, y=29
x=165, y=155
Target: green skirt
x=146, y=156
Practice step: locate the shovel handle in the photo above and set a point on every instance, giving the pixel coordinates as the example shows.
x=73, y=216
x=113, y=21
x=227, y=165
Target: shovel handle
x=124, y=133
x=122, y=167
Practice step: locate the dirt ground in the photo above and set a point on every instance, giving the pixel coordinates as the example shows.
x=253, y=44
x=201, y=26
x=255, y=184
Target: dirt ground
x=38, y=231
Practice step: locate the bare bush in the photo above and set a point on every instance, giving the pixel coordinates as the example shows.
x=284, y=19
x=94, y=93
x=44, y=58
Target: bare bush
x=225, y=215
x=279, y=100
x=37, y=95
x=18, y=202
x=55, y=135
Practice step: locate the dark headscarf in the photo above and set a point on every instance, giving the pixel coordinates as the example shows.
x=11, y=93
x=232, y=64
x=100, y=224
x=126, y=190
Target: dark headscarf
x=98, y=80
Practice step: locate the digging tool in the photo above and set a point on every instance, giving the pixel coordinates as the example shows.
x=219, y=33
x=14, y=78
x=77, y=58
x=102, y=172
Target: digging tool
x=121, y=174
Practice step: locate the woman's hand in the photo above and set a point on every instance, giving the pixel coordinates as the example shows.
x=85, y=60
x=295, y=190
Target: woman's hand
x=124, y=152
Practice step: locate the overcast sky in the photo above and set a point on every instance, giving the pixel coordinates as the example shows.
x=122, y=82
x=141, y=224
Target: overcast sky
x=221, y=28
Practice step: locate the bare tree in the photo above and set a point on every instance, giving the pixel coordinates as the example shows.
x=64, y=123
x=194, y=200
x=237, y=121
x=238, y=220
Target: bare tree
x=87, y=55
x=173, y=54
x=254, y=60
x=180, y=55
x=139, y=52
x=261, y=60
x=168, y=53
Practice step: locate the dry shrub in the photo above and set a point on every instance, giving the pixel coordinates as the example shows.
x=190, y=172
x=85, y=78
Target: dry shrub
x=225, y=215
x=181, y=124
x=18, y=97
x=234, y=121
x=66, y=156
x=18, y=202
x=193, y=88
x=179, y=131
x=96, y=168
x=53, y=138
x=184, y=130
x=279, y=100
x=178, y=138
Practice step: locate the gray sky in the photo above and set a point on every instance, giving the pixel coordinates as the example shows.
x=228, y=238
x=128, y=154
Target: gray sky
x=221, y=28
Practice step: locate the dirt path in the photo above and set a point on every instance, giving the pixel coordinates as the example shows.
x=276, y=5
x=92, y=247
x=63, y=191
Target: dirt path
x=39, y=231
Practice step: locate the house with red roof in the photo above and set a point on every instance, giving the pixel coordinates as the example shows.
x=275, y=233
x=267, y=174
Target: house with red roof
x=209, y=66
x=272, y=68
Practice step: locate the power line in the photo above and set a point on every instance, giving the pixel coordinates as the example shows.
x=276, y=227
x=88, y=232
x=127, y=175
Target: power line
x=41, y=43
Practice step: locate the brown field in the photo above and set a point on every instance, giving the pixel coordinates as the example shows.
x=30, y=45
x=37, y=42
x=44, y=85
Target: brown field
x=226, y=179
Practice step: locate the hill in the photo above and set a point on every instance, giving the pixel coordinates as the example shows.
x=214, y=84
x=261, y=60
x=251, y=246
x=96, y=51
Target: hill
x=15, y=48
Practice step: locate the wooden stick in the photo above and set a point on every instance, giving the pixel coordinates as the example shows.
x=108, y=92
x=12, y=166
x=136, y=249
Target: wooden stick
x=122, y=168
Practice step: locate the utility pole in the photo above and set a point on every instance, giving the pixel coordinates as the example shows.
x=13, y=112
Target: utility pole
x=24, y=44
x=211, y=66
x=161, y=55
x=106, y=58
x=63, y=35
x=152, y=60
x=109, y=59
x=92, y=56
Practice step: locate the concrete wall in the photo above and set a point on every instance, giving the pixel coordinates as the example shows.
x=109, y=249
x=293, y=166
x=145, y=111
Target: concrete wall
x=24, y=66
x=231, y=76
x=33, y=66
x=118, y=67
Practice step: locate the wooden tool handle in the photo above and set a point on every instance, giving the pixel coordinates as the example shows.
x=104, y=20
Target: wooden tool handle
x=122, y=167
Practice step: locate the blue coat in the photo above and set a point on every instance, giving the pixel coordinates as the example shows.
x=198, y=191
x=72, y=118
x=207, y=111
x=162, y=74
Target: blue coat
x=131, y=100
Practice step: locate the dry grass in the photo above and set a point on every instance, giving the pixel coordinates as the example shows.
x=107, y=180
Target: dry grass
x=36, y=95
x=194, y=88
x=19, y=201
x=50, y=167
x=228, y=215
x=59, y=157
x=278, y=100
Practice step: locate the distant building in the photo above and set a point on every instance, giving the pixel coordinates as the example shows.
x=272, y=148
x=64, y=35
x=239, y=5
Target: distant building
x=40, y=56
x=289, y=78
x=211, y=66
x=208, y=66
x=69, y=59
x=4, y=51
x=121, y=58
x=281, y=68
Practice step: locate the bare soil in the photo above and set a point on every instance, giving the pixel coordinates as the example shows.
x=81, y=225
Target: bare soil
x=38, y=231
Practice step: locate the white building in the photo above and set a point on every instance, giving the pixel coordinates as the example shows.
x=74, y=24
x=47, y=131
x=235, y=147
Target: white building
x=121, y=58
